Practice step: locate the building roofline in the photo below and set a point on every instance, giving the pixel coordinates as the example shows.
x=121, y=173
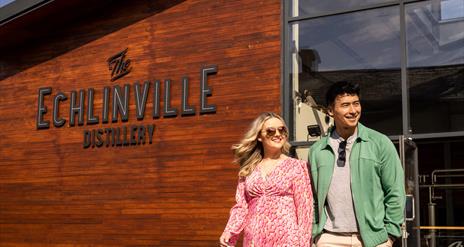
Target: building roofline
x=18, y=8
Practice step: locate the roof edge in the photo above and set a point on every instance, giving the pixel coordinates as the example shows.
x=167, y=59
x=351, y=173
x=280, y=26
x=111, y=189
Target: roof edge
x=18, y=8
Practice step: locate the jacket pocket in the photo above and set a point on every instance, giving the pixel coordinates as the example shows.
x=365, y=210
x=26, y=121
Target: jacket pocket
x=375, y=221
x=371, y=166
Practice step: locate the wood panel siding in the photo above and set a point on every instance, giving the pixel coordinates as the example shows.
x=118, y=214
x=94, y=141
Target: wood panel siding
x=176, y=191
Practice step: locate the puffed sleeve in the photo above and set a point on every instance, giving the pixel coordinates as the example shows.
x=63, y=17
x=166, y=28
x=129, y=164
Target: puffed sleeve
x=303, y=199
x=238, y=213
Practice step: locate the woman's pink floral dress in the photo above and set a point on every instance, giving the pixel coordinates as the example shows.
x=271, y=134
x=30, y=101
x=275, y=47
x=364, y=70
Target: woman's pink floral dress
x=275, y=210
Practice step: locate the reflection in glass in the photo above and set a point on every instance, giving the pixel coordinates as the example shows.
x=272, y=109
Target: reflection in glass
x=435, y=69
x=315, y=7
x=451, y=9
x=362, y=47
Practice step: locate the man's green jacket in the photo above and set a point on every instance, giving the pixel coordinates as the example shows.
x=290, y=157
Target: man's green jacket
x=377, y=185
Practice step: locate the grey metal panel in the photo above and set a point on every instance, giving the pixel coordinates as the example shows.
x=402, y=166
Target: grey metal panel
x=438, y=135
x=404, y=74
x=285, y=83
x=373, y=6
x=19, y=8
x=344, y=11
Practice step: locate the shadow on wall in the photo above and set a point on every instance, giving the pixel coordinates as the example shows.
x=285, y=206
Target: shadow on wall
x=57, y=23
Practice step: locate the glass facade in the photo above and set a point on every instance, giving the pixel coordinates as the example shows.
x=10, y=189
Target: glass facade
x=418, y=46
x=435, y=42
x=408, y=58
x=360, y=47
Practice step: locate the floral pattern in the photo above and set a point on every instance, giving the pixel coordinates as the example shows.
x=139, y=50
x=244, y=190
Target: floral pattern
x=273, y=210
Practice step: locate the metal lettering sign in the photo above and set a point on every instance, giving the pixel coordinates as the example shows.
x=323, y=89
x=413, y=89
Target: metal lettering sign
x=115, y=100
x=118, y=65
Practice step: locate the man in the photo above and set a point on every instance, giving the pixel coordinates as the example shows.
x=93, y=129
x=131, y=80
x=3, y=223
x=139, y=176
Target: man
x=358, y=178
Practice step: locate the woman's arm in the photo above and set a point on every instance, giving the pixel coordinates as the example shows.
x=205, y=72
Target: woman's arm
x=303, y=198
x=238, y=214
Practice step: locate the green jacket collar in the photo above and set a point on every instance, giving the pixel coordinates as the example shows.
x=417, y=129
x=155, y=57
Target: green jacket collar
x=362, y=135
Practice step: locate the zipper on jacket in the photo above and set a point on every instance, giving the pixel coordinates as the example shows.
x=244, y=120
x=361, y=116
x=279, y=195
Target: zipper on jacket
x=351, y=184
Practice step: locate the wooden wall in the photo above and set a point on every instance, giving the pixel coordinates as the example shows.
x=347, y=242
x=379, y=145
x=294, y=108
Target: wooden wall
x=175, y=192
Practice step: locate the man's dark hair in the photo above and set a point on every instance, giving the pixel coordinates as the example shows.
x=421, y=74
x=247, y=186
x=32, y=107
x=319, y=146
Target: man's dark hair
x=341, y=88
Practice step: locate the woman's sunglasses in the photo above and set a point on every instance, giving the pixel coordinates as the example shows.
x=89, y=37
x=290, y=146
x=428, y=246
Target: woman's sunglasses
x=272, y=131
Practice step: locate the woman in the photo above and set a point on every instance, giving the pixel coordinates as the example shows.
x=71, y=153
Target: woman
x=274, y=198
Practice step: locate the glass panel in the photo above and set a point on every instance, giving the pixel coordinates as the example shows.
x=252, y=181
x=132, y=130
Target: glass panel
x=451, y=9
x=441, y=191
x=436, y=65
x=317, y=7
x=362, y=47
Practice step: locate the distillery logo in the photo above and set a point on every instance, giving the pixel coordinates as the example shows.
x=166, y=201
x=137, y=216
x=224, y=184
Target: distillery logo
x=115, y=101
x=119, y=65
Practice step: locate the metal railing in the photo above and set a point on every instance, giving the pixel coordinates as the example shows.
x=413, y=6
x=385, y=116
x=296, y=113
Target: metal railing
x=437, y=183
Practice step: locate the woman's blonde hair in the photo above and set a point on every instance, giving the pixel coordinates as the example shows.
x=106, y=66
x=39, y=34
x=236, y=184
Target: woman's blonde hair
x=249, y=152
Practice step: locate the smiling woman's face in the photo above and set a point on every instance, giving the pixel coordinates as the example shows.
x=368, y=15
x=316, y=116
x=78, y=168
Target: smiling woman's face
x=274, y=134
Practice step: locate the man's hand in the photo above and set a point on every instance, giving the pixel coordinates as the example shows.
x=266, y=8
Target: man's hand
x=389, y=243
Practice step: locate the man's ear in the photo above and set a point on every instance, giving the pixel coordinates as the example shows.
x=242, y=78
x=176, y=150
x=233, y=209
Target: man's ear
x=330, y=111
x=260, y=139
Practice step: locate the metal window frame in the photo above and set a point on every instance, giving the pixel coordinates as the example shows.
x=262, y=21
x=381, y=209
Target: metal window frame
x=16, y=9
x=286, y=85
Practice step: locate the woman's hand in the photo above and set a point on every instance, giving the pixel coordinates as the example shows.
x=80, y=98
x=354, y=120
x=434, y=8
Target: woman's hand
x=224, y=239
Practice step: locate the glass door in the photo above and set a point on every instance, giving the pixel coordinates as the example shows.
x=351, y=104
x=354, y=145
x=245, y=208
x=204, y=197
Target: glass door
x=441, y=187
x=411, y=225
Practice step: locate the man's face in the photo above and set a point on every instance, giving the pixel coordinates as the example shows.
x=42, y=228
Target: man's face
x=346, y=111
